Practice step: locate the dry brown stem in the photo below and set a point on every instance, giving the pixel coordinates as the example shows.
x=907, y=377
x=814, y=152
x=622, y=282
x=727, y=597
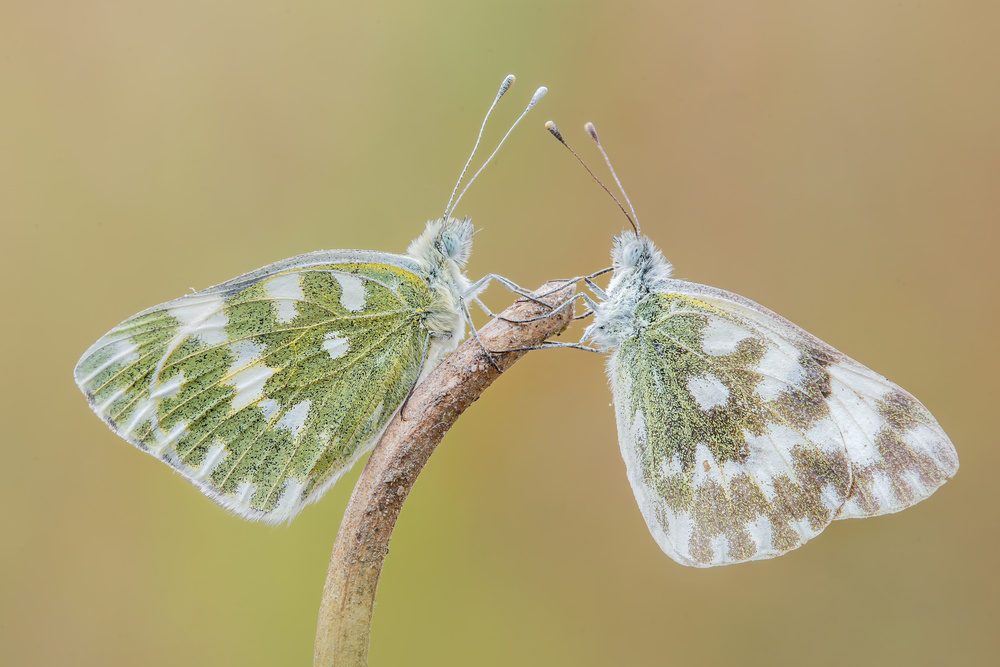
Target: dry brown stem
x=363, y=539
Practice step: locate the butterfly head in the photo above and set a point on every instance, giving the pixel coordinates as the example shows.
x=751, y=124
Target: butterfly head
x=638, y=262
x=639, y=269
x=441, y=252
x=454, y=240
x=446, y=242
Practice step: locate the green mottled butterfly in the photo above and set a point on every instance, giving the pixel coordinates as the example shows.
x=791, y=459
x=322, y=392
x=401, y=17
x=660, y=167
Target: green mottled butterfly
x=743, y=435
x=263, y=390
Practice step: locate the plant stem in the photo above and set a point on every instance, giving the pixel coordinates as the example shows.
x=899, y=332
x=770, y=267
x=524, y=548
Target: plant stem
x=345, y=612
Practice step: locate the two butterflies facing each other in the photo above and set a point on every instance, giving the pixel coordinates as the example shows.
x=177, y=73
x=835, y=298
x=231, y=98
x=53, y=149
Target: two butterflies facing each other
x=743, y=435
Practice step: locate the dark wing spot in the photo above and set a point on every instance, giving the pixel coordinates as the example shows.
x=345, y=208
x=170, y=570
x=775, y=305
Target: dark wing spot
x=900, y=411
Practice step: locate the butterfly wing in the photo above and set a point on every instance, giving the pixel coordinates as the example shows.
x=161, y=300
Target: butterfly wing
x=744, y=436
x=263, y=390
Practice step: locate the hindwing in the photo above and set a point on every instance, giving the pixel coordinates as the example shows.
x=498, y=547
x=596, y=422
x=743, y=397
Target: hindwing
x=263, y=390
x=744, y=436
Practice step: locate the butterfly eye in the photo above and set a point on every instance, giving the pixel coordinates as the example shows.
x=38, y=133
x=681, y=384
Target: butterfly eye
x=449, y=245
x=455, y=243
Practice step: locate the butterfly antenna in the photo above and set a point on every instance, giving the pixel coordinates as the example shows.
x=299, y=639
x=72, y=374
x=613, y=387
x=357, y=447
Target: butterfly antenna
x=592, y=131
x=554, y=131
x=507, y=83
x=504, y=87
x=539, y=94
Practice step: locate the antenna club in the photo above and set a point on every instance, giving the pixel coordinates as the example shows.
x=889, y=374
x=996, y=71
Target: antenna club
x=504, y=86
x=539, y=94
x=589, y=127
x=554, y=131
x=634, y=219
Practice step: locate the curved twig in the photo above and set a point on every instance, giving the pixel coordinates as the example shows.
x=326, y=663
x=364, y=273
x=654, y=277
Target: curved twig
x=363, y=539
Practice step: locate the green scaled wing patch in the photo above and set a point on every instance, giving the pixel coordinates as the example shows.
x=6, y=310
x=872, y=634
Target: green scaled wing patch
x=263, y=390
x=744, y=436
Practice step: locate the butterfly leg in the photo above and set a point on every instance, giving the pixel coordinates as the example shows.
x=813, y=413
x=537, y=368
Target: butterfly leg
x=475, y=334
x=593, y=286
x=480, y=285
x=551, y=345
x=589, y=280
x=558, y=308
x=591, y=306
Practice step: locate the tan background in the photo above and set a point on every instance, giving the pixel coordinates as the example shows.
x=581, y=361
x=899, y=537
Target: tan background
x=838, y=162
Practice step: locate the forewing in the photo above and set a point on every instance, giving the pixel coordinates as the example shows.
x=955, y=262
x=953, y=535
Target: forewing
x=262, y=391
x=744, y=436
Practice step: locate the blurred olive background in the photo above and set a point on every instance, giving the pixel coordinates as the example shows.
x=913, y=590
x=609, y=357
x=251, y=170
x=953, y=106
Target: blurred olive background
x=837, y=162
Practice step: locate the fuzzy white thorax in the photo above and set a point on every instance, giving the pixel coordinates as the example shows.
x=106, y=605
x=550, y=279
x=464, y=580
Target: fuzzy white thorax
x=639, y=268
x=442, y=251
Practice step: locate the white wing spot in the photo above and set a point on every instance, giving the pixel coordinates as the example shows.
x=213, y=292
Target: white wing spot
x=761, y=532
x=201, y=316
x=721, y=337
x=249, y=385
x=168, y=389
x=708, y=391
x=246, y=353
x=245, y=491
x=269, y=407
x=165, y=440
x=780, y=370
x=143, y=413
x=825, y=433
x=352, y=291
x=334, y=345
x=671, y=466
x=179, y=429
x=858, y=421
x=295, y=419
x=720, y=549
x=214, y=457
x=769, y=455
x=289, y=501
x=286, y=290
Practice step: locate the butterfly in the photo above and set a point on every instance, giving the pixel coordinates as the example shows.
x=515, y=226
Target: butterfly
x=743, y=435
x=263, y=390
